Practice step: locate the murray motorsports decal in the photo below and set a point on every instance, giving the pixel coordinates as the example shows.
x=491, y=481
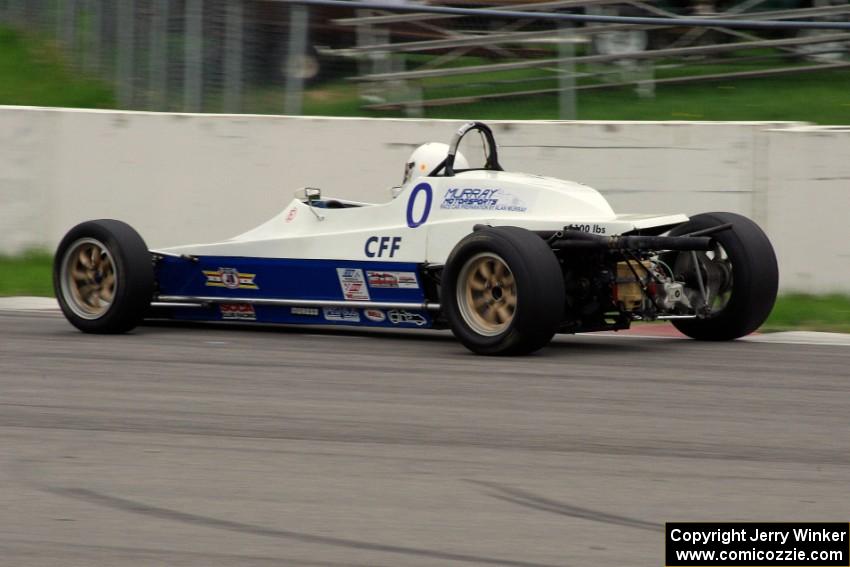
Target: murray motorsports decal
x=230, y=278
x=482, y=200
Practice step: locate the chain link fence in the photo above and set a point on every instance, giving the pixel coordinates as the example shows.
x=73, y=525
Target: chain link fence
x=181, y=55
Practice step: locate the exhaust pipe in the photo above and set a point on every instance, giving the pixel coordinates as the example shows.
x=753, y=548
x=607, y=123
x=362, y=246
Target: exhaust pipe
x=586, y=241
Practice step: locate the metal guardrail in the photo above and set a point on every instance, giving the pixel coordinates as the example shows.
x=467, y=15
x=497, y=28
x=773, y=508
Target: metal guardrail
x=586, y=18
x=545, y=7
x=428, y=45
x=407, y=17
x=459, y=41
x=448, y=101
x=651, y=54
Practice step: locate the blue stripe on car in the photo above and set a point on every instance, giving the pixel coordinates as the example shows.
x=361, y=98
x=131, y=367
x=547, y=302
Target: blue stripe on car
x=271, y=278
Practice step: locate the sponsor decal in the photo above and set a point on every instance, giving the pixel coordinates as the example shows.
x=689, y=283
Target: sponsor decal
x=290, y=216
x=381, y=246
x=482, y=200
x=353, y=284
x=403, y=280
x=237, y=312
x=305, y=311
x=346, y=314
x=230, y=278
x=402, y=317
x=375, y=315
x=414, y=218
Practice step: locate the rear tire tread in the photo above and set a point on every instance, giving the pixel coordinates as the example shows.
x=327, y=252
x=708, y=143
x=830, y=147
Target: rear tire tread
x=755, y=278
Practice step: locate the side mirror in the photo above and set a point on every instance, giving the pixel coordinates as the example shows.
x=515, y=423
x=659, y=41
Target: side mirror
x=310, y=195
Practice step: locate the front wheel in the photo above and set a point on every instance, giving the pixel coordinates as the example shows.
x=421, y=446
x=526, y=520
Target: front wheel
x=503, y=291
x=739, y=276
x=103, y=277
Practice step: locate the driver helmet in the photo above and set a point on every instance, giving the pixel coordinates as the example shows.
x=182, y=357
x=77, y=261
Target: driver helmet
x=426, y=157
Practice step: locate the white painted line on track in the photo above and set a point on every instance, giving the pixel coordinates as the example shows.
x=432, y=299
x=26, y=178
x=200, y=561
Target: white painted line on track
x=42, y=304
x=802, y=338
x=614, y=335
x=28, y=304
x=780, y=338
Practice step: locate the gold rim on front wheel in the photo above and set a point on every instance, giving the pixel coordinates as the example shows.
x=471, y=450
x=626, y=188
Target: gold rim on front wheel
x=88, y=278
x=486, y=294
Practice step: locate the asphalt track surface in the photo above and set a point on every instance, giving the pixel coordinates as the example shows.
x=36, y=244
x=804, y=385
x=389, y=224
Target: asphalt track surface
x=207, y=446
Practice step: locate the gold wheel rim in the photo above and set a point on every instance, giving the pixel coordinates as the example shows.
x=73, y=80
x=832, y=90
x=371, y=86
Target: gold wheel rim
x=88, y=278
x=486, y=294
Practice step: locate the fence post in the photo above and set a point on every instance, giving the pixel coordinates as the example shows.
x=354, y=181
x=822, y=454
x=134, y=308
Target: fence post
x=126, y=46
x=298, y=21
x=94, y=36
x=193, y=71
x=16, y=12
x=566, y=74
x=11, y=12
x=233, y=57
x=158, y=53
x=56, y=9
x=43, y=16
x=69, y=25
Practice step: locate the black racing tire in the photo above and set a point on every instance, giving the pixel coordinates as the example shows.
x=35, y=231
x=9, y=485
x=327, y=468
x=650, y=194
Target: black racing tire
x=755, y=278
x=103, y=277
x=533, y=291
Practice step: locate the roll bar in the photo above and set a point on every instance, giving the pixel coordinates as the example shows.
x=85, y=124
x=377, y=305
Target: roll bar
x=492, y=162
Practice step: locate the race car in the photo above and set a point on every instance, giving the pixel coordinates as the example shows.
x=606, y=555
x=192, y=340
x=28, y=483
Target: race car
x=505, y=260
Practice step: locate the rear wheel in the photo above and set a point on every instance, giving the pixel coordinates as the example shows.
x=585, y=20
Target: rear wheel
x=503, y=291
x=740, y=277
x=103, y=277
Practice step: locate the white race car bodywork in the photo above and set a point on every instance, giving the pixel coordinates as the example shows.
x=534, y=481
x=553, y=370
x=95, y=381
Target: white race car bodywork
x=428, y=218
x=506, y=260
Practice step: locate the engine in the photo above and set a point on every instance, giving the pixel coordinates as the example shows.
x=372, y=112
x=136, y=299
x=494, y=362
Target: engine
x=646, y=287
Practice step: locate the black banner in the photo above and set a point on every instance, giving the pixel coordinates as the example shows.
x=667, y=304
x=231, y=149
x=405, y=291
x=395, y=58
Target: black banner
x=761, y=544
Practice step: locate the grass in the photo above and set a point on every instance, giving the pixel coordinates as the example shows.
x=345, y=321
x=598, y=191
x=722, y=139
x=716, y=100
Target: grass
x=820, y=97
x=31, y=274
x=810, y=312
x=33, y=72
x=27, y=274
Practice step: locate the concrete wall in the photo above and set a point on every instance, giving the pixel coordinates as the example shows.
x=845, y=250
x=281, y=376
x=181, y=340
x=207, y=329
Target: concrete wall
x=807, y=206
x=182, y=178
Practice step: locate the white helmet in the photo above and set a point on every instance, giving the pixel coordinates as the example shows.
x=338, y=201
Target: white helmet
x=426, y=157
